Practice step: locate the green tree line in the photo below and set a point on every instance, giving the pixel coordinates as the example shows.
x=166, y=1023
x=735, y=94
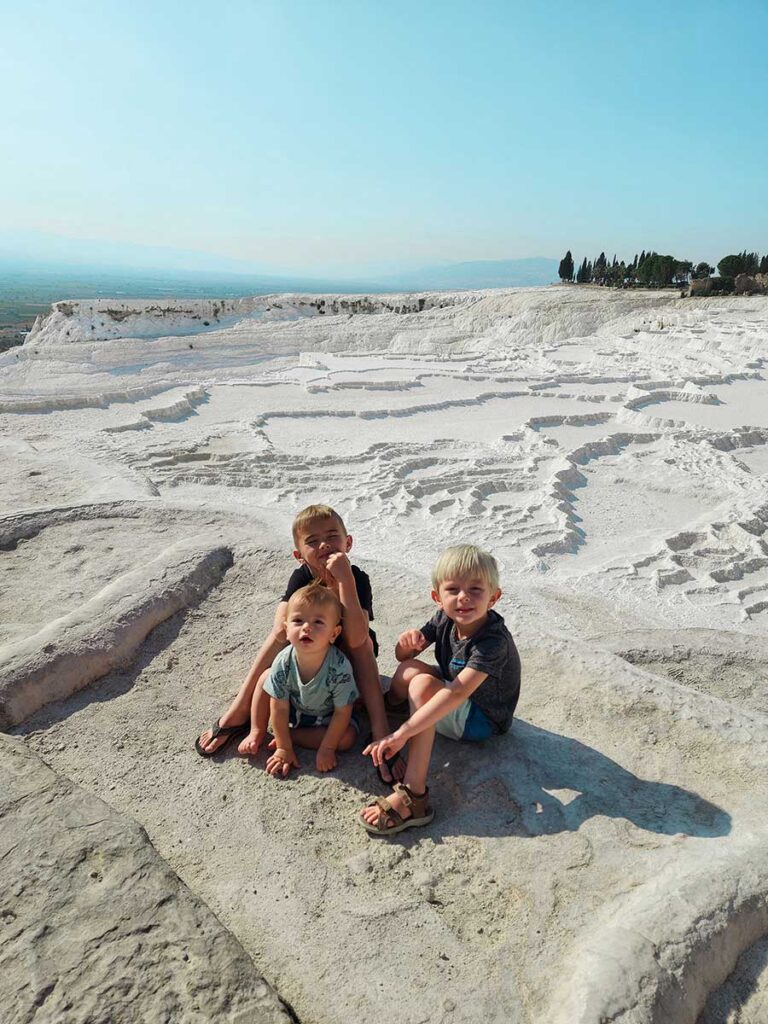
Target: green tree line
x=653, y=270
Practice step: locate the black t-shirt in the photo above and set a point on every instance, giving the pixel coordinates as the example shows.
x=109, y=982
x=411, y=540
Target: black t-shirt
x=493, y=651
x=302, y=577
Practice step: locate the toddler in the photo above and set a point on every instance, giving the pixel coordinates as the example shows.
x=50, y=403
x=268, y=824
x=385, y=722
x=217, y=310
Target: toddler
x=311, y=686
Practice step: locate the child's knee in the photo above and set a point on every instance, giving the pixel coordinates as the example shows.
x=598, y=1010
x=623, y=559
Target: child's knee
x=348, y=739
x=409, y=668
x=422, y=687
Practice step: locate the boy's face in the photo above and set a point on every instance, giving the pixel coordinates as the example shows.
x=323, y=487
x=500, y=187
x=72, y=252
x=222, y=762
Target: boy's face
x=466, y=600
x=311, y=628
x=318, y=541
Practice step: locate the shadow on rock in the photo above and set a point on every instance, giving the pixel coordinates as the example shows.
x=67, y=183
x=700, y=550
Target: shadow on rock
x=533, y=782
x=747, y=978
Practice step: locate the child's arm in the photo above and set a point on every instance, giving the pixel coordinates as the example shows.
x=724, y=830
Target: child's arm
x=326, y=753
x=355, y=618
x=284, y=757
x=271, y=647
x=437, y=707
x=410, y=643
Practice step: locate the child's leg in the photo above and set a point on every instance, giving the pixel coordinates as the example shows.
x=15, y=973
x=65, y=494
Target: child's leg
x=312, y=736
x=236, y=714
x=259, y=719
x=366, y=672
x=421, y=687
x=405, y=672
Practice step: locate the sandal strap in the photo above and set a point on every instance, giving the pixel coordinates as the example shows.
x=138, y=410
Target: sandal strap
x=387, y=813
x=402, y=790
x=224, y=730
x=418, y=803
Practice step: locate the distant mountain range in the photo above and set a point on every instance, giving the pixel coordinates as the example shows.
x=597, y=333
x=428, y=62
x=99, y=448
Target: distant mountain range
x=66, y=268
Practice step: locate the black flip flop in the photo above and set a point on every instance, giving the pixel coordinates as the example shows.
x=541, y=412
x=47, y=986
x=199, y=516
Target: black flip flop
x=229, y=732
x=390, y=762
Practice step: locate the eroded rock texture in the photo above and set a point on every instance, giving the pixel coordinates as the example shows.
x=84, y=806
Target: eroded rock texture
x=95, y=926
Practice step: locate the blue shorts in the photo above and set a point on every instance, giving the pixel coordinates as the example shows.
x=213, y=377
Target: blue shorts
x=302, y=720
x=466, y=722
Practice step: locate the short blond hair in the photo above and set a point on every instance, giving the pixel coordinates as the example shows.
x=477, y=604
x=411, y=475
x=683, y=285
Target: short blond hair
x=463, y=561
x=314, y=514
x=315, y=595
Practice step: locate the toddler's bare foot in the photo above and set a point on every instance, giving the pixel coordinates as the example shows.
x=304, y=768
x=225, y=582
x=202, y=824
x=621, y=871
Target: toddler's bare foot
x=251, y=743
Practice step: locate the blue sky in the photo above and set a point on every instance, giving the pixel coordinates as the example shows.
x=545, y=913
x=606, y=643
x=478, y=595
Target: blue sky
x=340, y=137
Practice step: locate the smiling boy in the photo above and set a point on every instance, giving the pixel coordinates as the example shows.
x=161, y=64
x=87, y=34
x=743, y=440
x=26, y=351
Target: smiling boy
x=321, y=545
x=471, y=695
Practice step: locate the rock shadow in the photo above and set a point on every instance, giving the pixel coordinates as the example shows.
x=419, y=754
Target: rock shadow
x=533, y=782
x=747, y=978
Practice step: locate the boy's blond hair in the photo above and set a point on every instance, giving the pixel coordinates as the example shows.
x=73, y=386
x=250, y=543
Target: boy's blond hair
x=316, y=595
x=314, y=514
x=465, y=561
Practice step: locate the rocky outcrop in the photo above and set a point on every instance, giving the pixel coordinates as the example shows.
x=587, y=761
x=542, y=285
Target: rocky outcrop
x=711, y=286
x=106, y=631
x=751, y=284
x=96, y=927
x=106, y=319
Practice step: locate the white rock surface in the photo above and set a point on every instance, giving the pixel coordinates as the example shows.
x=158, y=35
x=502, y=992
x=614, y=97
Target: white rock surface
x=607, y=859
x=106, y=631
x=95, y=927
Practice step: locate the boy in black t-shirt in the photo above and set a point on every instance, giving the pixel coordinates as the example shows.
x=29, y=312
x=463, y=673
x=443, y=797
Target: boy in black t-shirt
x=321, y=545
x=471, y=695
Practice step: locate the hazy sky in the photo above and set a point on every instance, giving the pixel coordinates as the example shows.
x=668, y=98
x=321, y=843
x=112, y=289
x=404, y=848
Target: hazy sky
x=319, y=136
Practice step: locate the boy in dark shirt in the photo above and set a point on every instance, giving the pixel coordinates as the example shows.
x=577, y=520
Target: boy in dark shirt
x=471, y=695
x=321, y=545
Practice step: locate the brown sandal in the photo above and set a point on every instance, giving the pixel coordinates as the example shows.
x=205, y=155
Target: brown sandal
x=390, y=821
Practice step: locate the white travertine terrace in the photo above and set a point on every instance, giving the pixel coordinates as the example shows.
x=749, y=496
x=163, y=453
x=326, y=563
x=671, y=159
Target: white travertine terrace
x=608, y=860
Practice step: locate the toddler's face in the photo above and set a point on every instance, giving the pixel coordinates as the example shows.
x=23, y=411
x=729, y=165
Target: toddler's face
x=322, y=539
x=466, y=600
x=311, y=628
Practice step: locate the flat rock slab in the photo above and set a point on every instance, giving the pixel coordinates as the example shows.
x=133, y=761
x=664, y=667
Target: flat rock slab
x=96, y=927
x=106, y=631
x=730, y=665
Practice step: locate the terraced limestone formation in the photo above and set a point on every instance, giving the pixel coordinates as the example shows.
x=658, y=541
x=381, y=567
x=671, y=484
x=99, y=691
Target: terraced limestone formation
x=606, y=860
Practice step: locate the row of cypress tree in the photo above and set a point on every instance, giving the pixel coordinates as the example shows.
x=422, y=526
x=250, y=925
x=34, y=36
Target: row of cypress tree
x=652, y=270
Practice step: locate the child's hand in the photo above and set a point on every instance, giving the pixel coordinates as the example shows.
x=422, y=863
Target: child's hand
x=412, y=640
x=326, y=759
x=281, y=762
x=339, y=567
x=387, y=747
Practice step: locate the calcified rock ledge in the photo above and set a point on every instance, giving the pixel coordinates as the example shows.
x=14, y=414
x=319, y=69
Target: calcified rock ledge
x=96, y=927
x=608, y=859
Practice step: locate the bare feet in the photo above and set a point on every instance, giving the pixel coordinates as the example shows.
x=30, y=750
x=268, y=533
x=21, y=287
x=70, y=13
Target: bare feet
x=251, y=743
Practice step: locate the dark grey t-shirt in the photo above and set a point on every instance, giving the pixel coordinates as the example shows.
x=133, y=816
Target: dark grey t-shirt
x=492, y=650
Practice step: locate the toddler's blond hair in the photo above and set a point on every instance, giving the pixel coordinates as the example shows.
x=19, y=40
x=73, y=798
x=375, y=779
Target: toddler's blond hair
x=315, y=595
